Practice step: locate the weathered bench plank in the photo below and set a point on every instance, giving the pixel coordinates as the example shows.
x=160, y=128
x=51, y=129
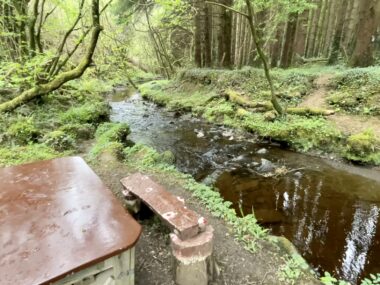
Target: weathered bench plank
x=170, y=208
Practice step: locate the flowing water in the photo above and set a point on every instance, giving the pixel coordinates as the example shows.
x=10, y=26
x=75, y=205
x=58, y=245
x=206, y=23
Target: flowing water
x=329, y=211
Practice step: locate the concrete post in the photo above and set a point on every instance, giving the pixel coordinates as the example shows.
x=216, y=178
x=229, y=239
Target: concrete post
x=193, y=258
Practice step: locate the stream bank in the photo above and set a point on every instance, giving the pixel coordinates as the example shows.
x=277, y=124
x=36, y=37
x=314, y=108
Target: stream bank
x=330, y=214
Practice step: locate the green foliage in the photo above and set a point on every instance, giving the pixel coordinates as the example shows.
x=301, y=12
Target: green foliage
x=110, y=137
x=328, y=279
x=79, y=131
x=23, y=131
x=23, y=75
x=357, y=91
x=59, y=141
x=372, y=280
x=301, y=132
x=93, y=113
x=292, y=270
x=363, y=147
x=23, y=154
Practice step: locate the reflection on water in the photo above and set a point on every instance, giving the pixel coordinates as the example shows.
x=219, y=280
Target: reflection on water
x=332, y=229
x=331, y=215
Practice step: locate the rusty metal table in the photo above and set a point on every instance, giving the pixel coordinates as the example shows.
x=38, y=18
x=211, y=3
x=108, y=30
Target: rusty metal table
x=57, y=219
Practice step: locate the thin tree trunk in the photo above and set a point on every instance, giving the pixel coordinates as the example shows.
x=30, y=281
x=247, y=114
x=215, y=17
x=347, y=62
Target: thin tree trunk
x=333, y=58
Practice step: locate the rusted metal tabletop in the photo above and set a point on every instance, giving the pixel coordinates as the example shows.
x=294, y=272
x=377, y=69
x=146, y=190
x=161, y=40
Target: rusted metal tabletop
x=57, y=217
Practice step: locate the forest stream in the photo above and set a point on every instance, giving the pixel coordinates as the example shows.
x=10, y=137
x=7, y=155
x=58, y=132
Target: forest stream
x=329, y=211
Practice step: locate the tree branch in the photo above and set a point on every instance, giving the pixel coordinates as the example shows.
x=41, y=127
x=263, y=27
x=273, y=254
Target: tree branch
x=64, y=77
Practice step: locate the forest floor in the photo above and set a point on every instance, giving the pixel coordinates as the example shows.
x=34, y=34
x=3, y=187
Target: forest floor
x=234, y=264
x=347, y=123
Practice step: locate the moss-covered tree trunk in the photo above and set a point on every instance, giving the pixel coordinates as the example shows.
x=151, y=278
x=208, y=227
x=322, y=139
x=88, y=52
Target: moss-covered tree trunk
x=64, y=77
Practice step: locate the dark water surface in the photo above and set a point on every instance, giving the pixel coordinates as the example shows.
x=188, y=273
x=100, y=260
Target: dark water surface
x=330, y=212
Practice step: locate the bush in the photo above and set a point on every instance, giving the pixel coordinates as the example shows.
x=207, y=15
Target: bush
x=23, y=131
x=92, y=113
x=59, y=140
x=23, y=154
x=79, y=131
x=363, y=147
x=110, y=137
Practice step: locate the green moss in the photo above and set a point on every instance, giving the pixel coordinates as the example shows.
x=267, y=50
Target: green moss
x=23, y=131
x=23, y=154
x=79, y=131
x=357, y=91
x=165, y=93
x=59, y=140
x=301, y=132
x=110, y=137
x=363, y=147
x=93, y=113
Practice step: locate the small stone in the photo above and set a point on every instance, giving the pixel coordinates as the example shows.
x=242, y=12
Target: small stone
x=262, y=151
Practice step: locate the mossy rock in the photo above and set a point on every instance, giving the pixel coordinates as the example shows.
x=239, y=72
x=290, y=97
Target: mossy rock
x=89, y=113
x=23, y=131
x=362, y=143
x=59, y=140
x=167, y=157
x=79, y=131
x=363, y=147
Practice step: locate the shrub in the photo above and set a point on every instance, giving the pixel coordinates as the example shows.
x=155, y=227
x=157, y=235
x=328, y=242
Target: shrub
x=23, y=154
x=59, y=140
x=110, y=137
x=79, y=131
x=363, y=147
x=23, y=131
x=92, y=113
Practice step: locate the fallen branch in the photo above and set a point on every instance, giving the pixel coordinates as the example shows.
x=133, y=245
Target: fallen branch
x=264, y=106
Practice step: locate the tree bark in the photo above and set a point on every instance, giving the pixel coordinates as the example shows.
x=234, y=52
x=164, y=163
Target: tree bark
x=368, y=22
x=333, y=59
x=301, y=34
x=64, y=77
x=287, y=53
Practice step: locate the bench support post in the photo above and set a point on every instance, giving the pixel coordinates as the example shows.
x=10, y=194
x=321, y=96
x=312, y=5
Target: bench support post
x=193, y=262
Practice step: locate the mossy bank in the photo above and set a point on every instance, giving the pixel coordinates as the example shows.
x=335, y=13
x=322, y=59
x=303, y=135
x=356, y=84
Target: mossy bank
x=240, y=99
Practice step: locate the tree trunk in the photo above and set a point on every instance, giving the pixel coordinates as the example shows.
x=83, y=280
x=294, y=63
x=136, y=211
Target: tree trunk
x=301, y=34
x=64, y=77
x=274, y=100
x=368, y=22
x=198, y=34
x=314, y=30
x=276, y=46
x=333, y=59
x=287, y=53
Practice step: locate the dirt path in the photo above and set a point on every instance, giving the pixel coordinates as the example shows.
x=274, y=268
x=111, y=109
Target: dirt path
x=235, y=265
x=317, y=99
x=348, y=124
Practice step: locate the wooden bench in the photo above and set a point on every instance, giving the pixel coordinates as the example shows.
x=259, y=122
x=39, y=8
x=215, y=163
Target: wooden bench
x=191, y=240
x=171, y=209
x=60, y=225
